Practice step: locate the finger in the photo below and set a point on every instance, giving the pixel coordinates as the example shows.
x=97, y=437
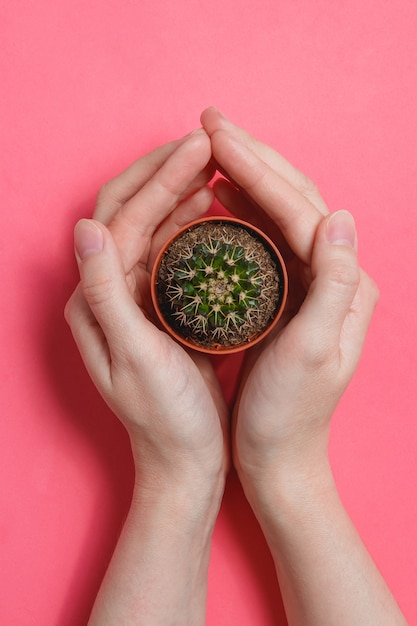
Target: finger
x=115, y=192
x=137, y=220
x=87, y=332
x=212, y=119
x=294, y=214
x=359, y=318
x=105, y=290
x=108, y=205
x=238, y=204
x=242, y=207
x=188, y=210
x=336, y=280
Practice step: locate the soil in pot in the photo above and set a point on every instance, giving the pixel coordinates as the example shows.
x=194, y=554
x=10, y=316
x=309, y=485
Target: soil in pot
x=219, y=285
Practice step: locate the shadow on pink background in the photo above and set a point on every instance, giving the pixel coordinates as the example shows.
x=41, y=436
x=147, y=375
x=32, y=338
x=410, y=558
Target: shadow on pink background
x=86, y=89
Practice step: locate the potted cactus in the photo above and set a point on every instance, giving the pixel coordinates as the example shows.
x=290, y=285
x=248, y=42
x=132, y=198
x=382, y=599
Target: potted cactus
x=219, y=285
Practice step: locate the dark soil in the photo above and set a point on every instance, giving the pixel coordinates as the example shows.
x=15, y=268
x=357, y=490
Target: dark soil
x=252, y=322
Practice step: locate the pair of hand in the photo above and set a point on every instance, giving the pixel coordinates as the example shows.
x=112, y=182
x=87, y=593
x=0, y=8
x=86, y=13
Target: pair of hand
x=169, y=399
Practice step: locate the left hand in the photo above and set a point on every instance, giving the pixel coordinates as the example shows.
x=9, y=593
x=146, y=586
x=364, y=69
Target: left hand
x=169, y=401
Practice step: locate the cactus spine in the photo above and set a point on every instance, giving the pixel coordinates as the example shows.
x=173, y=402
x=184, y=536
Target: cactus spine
x=218, y=284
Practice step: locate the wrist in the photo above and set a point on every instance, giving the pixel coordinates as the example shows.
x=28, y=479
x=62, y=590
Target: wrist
x=165, y=468
x=288, y=507
x=287, y=486
x=188, y=497
x=162, y=554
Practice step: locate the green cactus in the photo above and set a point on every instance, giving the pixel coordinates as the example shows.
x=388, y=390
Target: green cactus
x=217, y=284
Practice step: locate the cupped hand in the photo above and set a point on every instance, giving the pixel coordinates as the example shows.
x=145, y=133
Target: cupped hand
x=169, y=401
x=293, y=381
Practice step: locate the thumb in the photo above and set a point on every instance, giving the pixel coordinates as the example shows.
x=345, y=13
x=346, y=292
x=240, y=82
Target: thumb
x=103, y=283
x=336, y=278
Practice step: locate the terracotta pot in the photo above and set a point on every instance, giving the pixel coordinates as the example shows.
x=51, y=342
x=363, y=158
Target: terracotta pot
x=218, y=348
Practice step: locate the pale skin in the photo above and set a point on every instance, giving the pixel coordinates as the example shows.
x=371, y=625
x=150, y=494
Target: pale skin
x=170, y=401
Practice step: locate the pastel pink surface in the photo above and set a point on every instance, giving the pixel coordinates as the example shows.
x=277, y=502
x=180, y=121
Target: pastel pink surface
x=86, y=89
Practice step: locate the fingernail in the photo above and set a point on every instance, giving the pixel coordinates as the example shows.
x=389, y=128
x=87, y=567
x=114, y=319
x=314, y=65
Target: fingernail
x=197, y=131
x=341, y=230
x=88, y=239
x=219, y=113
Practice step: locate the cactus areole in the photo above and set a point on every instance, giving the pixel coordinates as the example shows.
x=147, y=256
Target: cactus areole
x=219, y=285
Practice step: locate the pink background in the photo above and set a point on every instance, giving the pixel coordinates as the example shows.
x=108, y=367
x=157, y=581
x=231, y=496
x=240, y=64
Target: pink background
x=86, y=88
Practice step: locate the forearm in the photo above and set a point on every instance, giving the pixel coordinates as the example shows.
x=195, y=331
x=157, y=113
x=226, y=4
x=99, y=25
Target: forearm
x=326, y=574
x=158, y=573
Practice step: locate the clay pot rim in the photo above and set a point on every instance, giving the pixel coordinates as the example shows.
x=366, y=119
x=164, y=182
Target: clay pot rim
x=219, y=350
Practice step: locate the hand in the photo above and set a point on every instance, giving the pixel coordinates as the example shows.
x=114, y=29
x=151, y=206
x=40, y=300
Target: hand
x=292, y=383
x=169, y=401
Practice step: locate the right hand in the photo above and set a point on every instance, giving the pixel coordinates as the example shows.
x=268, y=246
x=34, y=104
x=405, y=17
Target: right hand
x=292, y=381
